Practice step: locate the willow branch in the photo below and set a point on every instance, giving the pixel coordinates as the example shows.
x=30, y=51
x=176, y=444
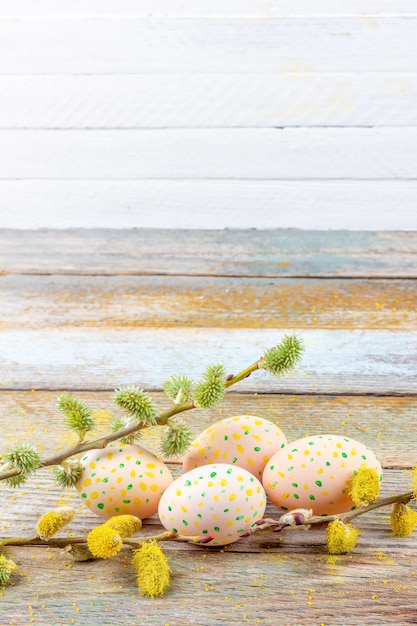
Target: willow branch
x=102, y=442
x=62, y=542
x=280, y=524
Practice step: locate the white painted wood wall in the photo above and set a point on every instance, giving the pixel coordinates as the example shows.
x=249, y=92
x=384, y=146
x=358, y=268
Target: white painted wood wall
x=208, y=114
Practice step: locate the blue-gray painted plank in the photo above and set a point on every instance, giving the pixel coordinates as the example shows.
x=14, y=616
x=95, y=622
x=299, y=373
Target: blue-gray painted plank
x=335, y=362
x=253, y=252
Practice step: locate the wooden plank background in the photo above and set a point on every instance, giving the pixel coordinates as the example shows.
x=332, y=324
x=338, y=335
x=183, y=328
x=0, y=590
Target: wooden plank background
x=87, y=329
x=181, y=183
x=189, y=114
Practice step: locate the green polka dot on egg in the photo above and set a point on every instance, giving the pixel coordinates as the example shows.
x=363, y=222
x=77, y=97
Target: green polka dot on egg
x=113, y=472
x=244, y=440
x=329, y=461
x=223, y=513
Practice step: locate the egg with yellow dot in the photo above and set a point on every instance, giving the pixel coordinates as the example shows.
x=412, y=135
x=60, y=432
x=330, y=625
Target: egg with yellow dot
x=220, y=501
x=122, y=479
x=316, y=473
x=244, y=440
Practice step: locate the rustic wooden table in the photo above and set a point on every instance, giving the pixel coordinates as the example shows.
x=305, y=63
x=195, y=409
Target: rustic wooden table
x=87, y=311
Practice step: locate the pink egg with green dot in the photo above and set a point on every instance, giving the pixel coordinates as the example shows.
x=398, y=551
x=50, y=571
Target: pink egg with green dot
x=244, y=440
x=220, y=500
x=122, y=479
x=314, y=473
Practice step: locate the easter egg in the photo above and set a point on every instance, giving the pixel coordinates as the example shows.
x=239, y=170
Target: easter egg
x=122, y=479
x=243, y=440
x=314, y=473
x=222, y=501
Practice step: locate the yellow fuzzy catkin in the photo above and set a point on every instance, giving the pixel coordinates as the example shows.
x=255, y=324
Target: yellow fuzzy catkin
x=341, y=537
x=153, y=571
x=104, y=542
x=403, y=519
x=7, y=566
x=364, y=486
x=124, y=525
x=52, y=521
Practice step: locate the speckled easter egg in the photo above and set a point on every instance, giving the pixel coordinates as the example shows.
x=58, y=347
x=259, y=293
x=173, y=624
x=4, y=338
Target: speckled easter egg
x=122, y=479
x=219, y=500
x=243, y=440
x=314, y=473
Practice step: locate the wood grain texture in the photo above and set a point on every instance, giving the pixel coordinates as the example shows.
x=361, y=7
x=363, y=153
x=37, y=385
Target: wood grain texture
x=245, y=582
x=112, y=320
x=386, y=425
x=335, y=362
x=75, y=45
x=195, y=302
x=223, y=115
x=289, y=253
x=240, y=153
x=207, y=100
x=199, y=204
x=213, y=589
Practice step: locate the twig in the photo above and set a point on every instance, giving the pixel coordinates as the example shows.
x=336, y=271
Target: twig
x=102, y=442
x=279, y=524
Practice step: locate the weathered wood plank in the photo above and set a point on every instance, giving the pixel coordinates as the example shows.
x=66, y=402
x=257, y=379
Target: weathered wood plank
x=272, y=253
x=290, y=572
x=198, y=204
x=74, y=44
x=130, y=301
x=386, y=425
x=207, y=100
x=218, y=153
x=335, y=362
x=305, y=587
x=247, y=591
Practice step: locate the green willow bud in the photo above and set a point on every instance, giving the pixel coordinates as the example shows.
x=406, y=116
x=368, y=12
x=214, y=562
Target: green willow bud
x=77, y=414
x=212, y=387
x=123, y=422
x=284, y=357
x=24, y=457
x=67, y=474
x=137, y=403
x=179, y=388
x=176, y=438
